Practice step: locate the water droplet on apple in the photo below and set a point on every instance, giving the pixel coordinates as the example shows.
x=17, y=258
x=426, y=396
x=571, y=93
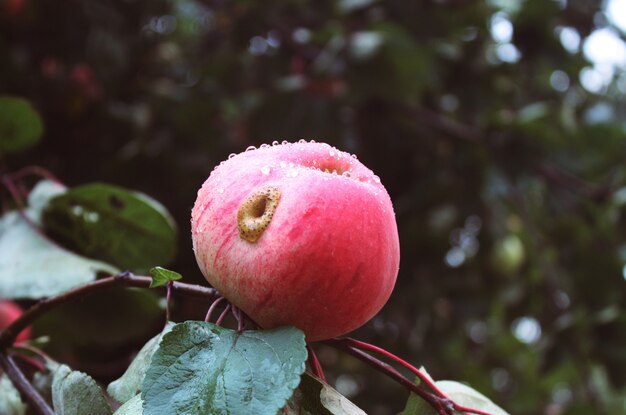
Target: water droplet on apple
x=264, y=146
x=376, y=179
x=231, y=155
x=331, y=153
x=275, y=143
x=250, y=148
x=285, y=142
x=265, y=170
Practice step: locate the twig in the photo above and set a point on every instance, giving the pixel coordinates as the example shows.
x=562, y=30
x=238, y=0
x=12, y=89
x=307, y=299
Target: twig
x=434, y=400
x=8, y=335
x=438, y=400
x=371, y=348
x=35, y=171
x=23, y=385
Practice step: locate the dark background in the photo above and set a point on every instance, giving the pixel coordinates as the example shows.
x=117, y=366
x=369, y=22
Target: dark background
x=507, y=174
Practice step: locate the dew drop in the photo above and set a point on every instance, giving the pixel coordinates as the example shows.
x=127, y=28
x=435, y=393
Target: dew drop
x=275, y=143
x=283, y=164
x=264, y=146
x=331, y=153
x=250, y=148
x=231, y=155
x=294, y=173
x=285, y=142
x=265, y=170
x=376, y=179
x=291, y=164
x=312, y=141
x=220, y=190
x=301, y=141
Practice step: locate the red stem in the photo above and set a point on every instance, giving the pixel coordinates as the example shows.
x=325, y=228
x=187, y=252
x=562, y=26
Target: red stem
x=445, y=402
x=212, y=308
x=222, y=316
x=35, y=171
x=314, y=363
x=375, y=349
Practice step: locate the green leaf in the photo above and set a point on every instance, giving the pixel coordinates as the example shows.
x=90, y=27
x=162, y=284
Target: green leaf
x=133, y=406
x=33, y=267
x=317, y=398
x=201, y=368
x=23, y=250
x=76, y=393
x=459, y=393
x=129, y=384
x=122, y=227
x=10, y=401
x=21, y=126
x=161, y=276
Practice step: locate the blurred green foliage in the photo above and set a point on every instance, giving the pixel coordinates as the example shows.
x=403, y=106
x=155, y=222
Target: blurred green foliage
x=507, y=175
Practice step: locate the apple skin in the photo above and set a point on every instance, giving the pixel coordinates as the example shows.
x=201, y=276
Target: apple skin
x=326, y=258
x=9, y=312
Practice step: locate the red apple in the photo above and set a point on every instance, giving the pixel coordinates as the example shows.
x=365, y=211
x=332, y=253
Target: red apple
x=298, y=234
x=9, y=312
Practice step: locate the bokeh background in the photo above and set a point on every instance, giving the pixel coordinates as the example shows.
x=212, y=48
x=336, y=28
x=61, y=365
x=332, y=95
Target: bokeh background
x=497, y=126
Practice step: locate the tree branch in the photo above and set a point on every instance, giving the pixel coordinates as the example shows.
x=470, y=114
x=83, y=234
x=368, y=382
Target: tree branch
x=438, y=400
x=8, y=335
x=23, y=385
x=439, y=404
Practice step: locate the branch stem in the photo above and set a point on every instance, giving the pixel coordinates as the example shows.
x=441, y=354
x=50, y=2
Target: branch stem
x=23, y=385
x=437, y=399
x=8, y=335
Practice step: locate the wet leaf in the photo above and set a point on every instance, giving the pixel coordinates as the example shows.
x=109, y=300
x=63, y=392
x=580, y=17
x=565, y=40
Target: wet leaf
x=201, y=368
x=119, y=226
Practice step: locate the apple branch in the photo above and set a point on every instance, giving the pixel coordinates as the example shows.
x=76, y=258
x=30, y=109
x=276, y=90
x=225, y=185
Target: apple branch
x=437, y=399
x=23, y=385
x=8, y=335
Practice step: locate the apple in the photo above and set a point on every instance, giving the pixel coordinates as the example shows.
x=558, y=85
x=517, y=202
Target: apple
x=298, y=234
x=9, y=312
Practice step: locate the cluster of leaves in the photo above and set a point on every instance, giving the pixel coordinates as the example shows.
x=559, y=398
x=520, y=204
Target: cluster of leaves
x=189, y=368
x=508, y=191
